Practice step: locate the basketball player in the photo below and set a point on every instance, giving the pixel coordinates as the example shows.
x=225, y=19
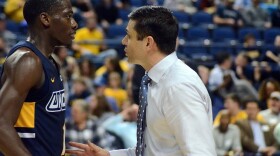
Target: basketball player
x=32, y=103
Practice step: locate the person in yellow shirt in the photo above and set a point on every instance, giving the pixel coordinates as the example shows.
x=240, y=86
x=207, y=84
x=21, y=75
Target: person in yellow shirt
x=89, y=41
x=233, y=105
x=14, y=10
x=114, y=90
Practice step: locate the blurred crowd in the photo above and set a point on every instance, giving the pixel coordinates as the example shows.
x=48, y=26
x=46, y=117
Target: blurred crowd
x=234, y=46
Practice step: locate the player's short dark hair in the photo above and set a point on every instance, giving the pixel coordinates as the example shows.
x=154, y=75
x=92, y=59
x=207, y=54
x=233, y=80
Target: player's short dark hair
x=158, y=22
x=33, y=8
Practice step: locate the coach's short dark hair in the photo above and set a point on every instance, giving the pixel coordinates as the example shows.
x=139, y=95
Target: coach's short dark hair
x=157, y=22
x=33, y=8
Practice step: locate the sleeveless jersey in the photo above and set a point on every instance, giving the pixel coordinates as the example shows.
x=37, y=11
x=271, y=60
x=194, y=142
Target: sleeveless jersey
x=40, y=124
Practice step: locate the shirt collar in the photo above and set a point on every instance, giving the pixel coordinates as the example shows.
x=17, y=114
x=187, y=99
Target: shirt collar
x=157, y=71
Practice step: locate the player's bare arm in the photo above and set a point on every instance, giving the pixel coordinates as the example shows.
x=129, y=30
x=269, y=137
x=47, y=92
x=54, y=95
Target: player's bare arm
x=22, y=72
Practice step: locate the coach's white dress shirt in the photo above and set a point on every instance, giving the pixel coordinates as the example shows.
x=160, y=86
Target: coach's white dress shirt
x=179, y=113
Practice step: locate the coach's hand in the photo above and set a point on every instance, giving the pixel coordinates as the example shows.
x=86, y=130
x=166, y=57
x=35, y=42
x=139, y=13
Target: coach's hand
x=89, y=149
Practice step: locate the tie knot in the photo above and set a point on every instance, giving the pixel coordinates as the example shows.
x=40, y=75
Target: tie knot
x=146, y=79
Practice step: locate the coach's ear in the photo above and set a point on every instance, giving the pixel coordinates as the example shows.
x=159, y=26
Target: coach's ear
x=150, y=43
x=45, y=19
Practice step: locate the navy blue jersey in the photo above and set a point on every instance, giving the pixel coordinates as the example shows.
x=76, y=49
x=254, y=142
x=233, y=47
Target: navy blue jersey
x=40, y=124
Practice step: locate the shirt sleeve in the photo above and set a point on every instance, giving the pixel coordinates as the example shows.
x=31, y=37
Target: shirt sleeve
x=111, y=124
x=123, y=152
x=236, y=139
x=187, y=113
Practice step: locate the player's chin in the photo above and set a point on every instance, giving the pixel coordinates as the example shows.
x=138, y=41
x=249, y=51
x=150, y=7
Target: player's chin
x=67, y=42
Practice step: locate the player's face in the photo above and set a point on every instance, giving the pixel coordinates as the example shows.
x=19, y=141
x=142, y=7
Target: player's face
x=63, y=25
x=134, y=48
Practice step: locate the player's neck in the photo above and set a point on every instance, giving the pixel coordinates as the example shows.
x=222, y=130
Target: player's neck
x=44, y=46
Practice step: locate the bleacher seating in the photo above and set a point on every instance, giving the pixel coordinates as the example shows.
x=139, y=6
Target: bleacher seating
x=244, y=31
x=270, y=34
x=197, y=34
x=123, y=13
x=201, y=18
x=182, y=17
x=223, y=34
x=116, y=31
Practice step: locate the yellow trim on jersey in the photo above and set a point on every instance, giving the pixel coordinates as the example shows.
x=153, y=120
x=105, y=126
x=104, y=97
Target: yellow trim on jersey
x=26, y=118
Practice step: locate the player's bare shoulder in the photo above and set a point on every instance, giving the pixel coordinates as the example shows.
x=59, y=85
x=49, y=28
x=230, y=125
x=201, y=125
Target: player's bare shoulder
x=23, y=56
x=24, y=64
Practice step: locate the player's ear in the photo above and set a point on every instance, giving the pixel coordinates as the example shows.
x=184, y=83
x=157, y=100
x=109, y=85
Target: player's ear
x=45, y=19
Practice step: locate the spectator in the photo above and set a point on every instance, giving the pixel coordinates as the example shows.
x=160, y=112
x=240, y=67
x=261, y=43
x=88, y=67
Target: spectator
x=68, y=65
x=220, y=76
x=124, y=4
x=207, y=6
x=79, y=90
x=112, y=64
x=223, y=81
x=68, y=68
x=180, y=5
x=256, y=137
x=89, y=42
x=276, y=133
x=273, y=56
x=14, y=10
x=227, y=16
x=8, y=36
x=3, y=51
x=250, y=47
x=83, y=5
x=242, y=5
x=256, y=16
x=272, y=114
x=124, y=125
x=227, y=136
x=101, y=109
x=108, y=13
x=234, y=109
x=87, y=71
x=114, y=89
x=275, y=17
x=99, y=104
x=266, y=88
x=82, y=128
x=242, y=67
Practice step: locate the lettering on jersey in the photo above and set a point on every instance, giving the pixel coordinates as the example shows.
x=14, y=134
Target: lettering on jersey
x=56, y=102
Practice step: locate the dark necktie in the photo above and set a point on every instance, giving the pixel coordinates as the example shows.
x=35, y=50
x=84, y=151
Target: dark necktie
x=141, y=118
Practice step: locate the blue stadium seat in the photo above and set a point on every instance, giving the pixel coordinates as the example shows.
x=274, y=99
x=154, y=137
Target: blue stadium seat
x=197, y=33
x=270, y=34
x=116, y=31
x=267, y=47
x=223, y=34
x=123, y=13
x=182, y=17
x=244, y=31
x=221, y=47
x=137, y=3
x=13, y=26
x=160, y=2
x=202, y=18
x=189, y=50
